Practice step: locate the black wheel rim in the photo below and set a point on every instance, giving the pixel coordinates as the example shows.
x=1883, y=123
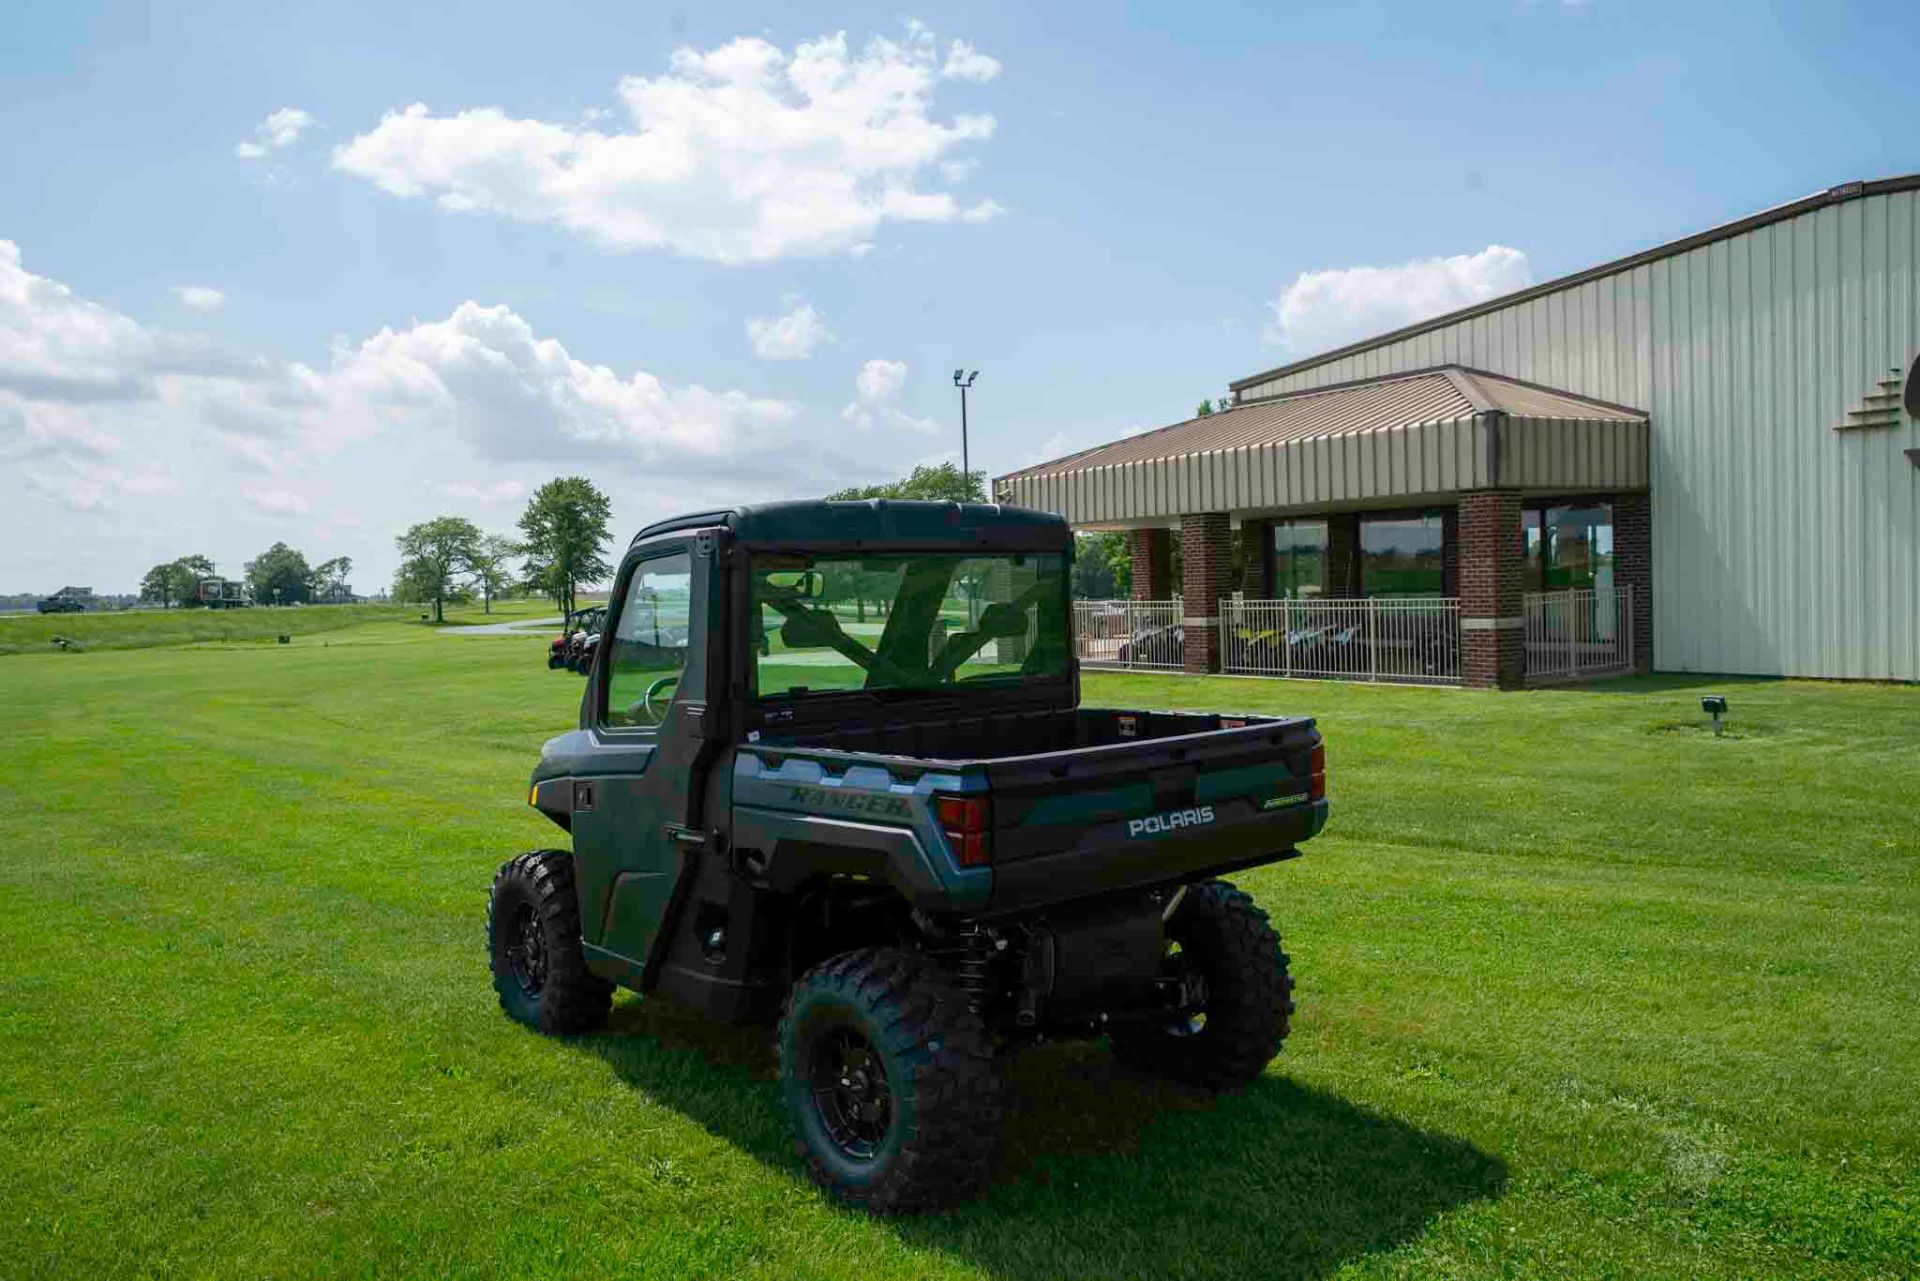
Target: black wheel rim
x=850, y=1093
x=527, y=950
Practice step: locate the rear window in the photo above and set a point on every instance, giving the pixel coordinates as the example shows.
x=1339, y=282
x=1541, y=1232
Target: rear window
x=915, y=621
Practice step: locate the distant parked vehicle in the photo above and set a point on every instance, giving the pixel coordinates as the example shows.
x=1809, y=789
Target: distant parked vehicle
x=59, y=605
x=568, y=648
x=221, y=593
x=586, y=641
x=1155, y=645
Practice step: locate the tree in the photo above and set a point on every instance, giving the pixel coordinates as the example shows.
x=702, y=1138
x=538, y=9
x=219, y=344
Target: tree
x=159, y=585
x=490, y=568
x=942, y=483
x=565, y=528
x=279, y=576
x=1205, y=410
x=175, y=581
x=431, y=554
x=1102, y=566
x=330, y=576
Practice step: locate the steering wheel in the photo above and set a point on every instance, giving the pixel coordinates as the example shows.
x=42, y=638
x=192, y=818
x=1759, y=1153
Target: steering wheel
x=657, y=714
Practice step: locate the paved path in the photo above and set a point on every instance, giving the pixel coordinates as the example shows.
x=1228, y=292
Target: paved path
x=514, y=628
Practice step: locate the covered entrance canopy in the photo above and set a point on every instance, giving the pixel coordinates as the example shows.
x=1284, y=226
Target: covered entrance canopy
x=1431, y=433
x=1477, y=453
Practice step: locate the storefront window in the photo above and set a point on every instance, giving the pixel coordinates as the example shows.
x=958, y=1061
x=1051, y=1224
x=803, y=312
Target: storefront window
x=1402, y=555
x=1569, y=546
x=1299, y=559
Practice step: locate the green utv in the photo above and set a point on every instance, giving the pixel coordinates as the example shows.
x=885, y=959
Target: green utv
x=832, y=773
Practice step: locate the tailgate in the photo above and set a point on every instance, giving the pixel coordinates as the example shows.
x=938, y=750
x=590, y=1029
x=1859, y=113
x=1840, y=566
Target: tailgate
x=1072, y=823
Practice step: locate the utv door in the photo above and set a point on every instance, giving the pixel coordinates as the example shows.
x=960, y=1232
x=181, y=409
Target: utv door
x=644, y=711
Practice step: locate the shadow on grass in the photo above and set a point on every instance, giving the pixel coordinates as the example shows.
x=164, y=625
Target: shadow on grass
x=1106, y=1172
x=1668, y=683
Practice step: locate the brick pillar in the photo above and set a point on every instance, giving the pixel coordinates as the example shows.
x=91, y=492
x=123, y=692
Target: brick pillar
x=1492, y=569
x=1633, y=567
x=1343, y=555
x=1149, y=552
x=1256, y=559
x=1206, y=552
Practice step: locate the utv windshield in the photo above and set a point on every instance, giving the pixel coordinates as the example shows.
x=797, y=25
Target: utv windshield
x=928, y=621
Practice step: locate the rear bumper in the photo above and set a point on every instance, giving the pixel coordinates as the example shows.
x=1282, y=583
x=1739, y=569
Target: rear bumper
x=1107, y=858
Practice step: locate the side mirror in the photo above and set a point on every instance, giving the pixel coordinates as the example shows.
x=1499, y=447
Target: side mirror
x=807, y=584
x=814, y=629
x=1003, y=621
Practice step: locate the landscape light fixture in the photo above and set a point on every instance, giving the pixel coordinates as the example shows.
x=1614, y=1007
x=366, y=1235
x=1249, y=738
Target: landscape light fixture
x=966, y=473
x=1715, y=706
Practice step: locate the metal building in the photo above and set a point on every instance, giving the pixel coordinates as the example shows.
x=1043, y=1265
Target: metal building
x=1758, y=368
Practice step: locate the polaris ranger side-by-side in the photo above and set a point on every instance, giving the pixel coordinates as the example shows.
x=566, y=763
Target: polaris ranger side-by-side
x=831, y=772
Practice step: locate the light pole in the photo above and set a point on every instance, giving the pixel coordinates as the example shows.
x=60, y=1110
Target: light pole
x=966, y=473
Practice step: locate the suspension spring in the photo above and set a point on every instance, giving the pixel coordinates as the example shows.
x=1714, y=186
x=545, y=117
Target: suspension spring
x=972, y=966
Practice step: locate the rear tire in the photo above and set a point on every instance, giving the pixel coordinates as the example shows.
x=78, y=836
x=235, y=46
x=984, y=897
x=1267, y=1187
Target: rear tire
x=890, y=1079
x=533, y=939
x=1218, y=937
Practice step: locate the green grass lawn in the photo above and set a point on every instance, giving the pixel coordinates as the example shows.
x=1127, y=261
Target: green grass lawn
x=149, y=628
x=473, y=612
x=1583, y=991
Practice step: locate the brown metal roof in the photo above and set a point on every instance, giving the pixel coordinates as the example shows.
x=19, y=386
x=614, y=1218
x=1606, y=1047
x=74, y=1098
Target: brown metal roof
x=1376, y=404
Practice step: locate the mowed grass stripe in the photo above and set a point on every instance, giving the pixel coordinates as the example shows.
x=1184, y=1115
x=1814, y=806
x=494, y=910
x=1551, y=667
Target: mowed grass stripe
x=1584, y=992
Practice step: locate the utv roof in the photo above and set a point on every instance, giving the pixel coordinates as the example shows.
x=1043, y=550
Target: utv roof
x=817, y=522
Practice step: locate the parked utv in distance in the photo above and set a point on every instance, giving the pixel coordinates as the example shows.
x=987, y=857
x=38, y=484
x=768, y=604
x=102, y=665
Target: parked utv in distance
x=582, y=641
x=59, y=605
x=895, y=833
x=215, y=592
x=570, y=629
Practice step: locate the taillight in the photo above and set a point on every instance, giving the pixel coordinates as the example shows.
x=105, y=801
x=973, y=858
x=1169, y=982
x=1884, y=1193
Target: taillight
x=1317, y=773
x=968, y=823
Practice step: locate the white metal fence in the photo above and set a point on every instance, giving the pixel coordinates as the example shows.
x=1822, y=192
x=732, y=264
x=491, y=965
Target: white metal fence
x=1414, y=640
x=1129, y=633
x=1581, y=632
x=1568, y=635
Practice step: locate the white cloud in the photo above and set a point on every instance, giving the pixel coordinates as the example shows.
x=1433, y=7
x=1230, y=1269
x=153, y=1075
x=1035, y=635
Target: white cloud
x=277, y=502
x=742, y=153
x=484, y=375
x=79, y=382
x=128, y=442
x=1058, y=445
x=959, y=170
x=1321, y=310
x=964, y=62
x=279, y=130
x=501, y=491
x=876, y=399
x=201, y=298
x=792, y=336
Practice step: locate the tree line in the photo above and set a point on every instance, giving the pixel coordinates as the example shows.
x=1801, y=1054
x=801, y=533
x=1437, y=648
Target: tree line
x=563, y=538
x=561, y=546
x=279, y=574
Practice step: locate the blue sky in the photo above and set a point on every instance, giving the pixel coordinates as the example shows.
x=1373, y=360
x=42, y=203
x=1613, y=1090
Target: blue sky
x=1110, y=210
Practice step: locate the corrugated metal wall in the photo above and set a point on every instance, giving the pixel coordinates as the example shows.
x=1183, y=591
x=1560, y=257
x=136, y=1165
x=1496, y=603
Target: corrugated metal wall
x=1781, y=546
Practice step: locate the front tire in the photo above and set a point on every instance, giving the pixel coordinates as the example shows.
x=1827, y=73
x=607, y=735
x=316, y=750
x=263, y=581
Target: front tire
x=533, y=939
x=1226, y=950
x=890, y=1079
